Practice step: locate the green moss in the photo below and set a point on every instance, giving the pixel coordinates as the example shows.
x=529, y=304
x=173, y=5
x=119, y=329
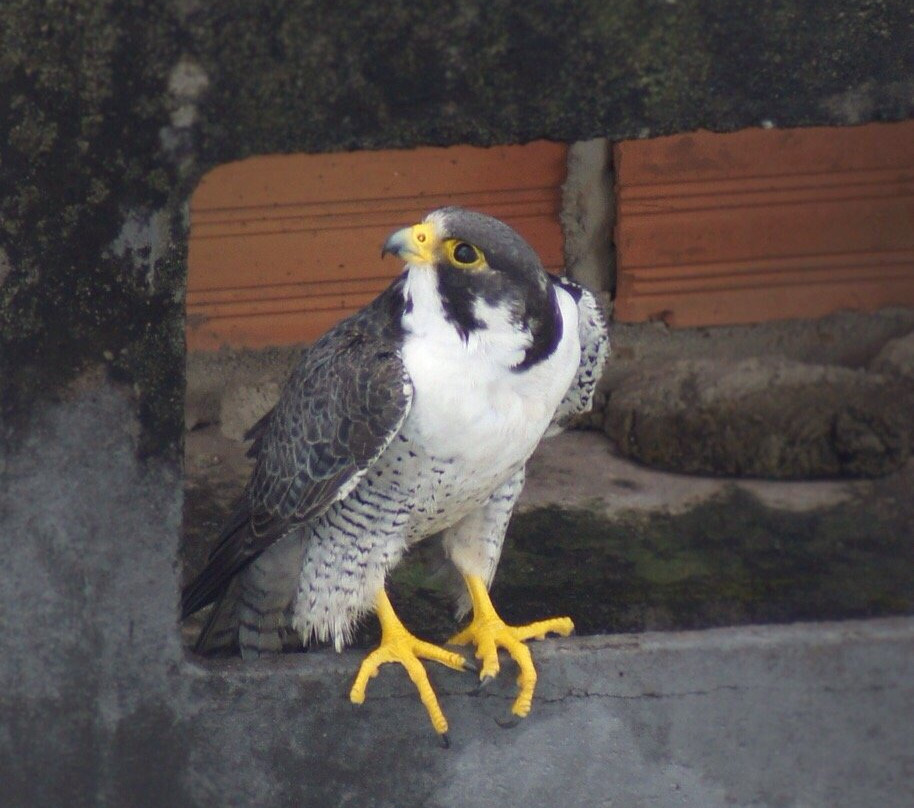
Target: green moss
x=728, y=561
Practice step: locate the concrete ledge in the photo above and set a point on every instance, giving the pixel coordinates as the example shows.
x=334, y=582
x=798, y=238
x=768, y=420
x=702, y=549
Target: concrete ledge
x=812, y=715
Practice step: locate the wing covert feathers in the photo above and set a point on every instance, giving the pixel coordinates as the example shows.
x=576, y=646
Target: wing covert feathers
x=594, y=336
x=342, y=405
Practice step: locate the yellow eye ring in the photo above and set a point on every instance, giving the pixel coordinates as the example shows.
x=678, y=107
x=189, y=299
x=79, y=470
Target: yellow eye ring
x=463, y=255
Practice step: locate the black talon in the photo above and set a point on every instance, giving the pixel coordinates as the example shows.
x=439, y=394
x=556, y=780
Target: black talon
x=471, y=666
x=483, y=684
x=444, y=741
x=508, y=723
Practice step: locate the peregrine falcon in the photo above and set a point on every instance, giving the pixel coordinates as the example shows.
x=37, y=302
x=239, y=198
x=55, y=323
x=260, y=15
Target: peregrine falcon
x=412, y=419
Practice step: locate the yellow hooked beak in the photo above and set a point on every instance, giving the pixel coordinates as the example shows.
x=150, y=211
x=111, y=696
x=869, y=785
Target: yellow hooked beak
x=419, y=244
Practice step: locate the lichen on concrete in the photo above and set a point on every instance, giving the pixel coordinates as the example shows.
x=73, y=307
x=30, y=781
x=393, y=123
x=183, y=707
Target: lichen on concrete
x=729, y=561
x=82, y=107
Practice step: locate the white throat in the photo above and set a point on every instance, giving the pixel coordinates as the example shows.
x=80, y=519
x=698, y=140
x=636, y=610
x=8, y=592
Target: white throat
x=469, y=400
x=498, y=341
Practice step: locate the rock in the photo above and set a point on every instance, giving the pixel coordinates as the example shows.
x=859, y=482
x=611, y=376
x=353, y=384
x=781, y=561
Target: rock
x=762, y=417
x=896, y=358
x=243, y=405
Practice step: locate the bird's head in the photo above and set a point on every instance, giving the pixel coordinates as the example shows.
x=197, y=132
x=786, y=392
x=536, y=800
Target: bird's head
x=482, y=265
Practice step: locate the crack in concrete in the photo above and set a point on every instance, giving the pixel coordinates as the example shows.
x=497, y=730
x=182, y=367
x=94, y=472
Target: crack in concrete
x=577, y=693
x=583, y=694
x=572, y=694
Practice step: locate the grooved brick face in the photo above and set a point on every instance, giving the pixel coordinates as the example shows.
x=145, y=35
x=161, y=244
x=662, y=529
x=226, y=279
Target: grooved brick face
x=282, y=247
x=762, y=225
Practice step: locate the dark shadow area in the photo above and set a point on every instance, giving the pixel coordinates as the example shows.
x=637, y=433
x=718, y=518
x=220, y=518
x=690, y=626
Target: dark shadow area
x=729, y=561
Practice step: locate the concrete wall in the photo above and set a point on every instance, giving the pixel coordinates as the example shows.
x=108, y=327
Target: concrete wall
x=111, y=111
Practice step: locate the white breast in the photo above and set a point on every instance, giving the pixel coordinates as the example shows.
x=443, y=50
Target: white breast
x=469, y=406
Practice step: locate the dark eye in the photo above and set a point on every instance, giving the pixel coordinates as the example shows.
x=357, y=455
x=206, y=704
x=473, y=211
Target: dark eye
x=465, y=253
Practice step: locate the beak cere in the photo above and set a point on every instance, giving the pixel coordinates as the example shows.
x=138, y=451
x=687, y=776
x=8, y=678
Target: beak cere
x=416, y=245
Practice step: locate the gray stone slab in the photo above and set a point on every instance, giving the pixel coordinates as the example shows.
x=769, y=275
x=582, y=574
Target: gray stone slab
x=811, y=715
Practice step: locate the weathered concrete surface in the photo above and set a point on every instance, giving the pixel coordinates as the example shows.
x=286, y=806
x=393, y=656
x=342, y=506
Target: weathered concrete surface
x=88, y=593
x=804, y=716
x=588, y=212
x=244, y=405
x=213, y=376
x=896, y=358
x=851, y=339
x=784, y=399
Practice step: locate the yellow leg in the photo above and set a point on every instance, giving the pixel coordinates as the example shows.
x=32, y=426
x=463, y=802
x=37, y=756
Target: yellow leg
x=398, y=645
x=487, y=631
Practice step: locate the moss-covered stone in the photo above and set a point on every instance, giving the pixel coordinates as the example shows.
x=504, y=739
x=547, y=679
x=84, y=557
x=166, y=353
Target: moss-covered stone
x=728, y=561
x=82, y=103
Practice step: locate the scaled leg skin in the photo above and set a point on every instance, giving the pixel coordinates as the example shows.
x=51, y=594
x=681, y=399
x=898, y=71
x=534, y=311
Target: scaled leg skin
x=398, y=645
x=487, y=631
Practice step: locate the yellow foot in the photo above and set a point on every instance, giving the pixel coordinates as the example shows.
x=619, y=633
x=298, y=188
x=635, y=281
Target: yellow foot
x=488, y=632
x=398, y=645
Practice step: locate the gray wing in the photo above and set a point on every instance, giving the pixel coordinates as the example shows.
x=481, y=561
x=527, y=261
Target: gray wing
x=594, y=335
x=343, y=404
